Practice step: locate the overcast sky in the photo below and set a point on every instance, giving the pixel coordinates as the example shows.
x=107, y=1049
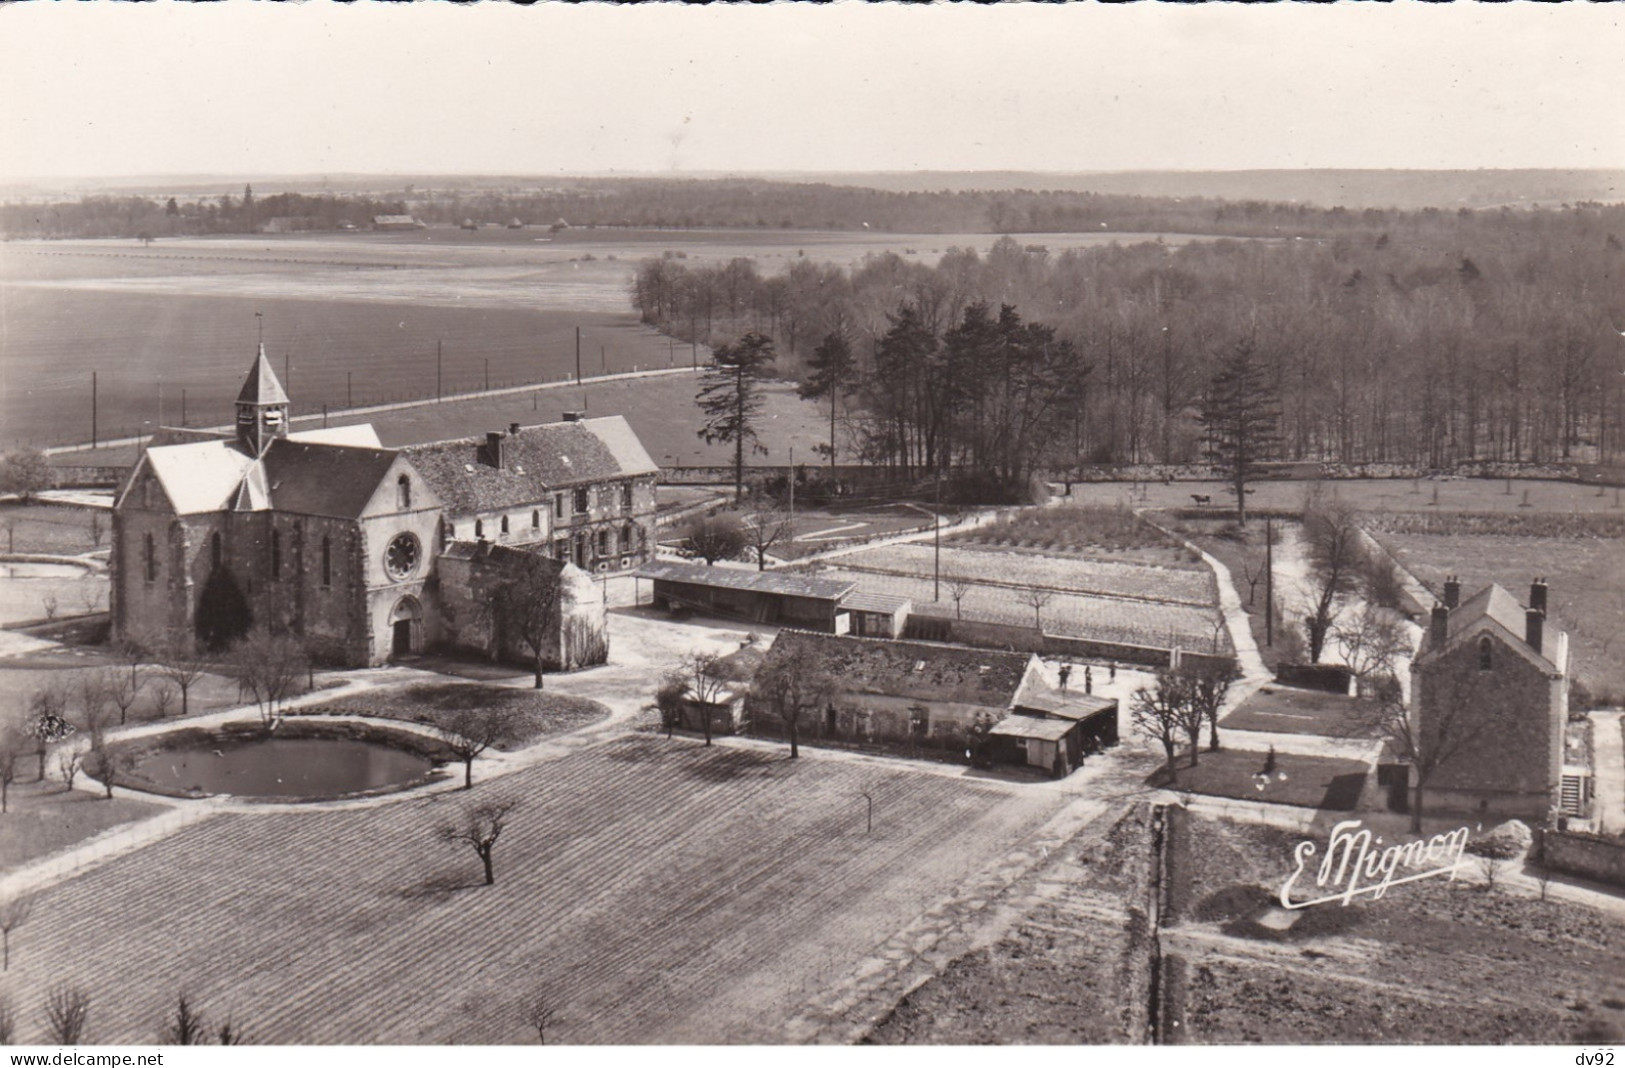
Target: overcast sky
x=254, y=88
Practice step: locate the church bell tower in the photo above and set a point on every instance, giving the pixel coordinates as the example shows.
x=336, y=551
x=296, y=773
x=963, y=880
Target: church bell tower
x=262, y=408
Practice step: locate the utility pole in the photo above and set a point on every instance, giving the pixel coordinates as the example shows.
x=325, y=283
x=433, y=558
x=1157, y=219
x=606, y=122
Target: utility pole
x=1269, y=582
x=287, y=372
x=791, y=533
x=936, y=541
x=488, y=374
x=183, y=406
x=160, y=400
x=578, y=355
x=439, y=353
x=603, y=361
x=324, y=415
x=94, y=437
x=349, y=402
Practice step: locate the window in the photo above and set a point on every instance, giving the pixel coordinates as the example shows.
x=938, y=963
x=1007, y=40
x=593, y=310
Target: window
x=146, y=493
x=626, y=496
x=402, y=556
x=215, y=555
x=327, y=560
x=581, y=500
x=536, y=519
x=403, y=492
x=504, y=524
x=558, y=506
x=603, y=543
x=626, y=538
x=1486, y=653
x=479, y=528
x=276, y=554
x=152, y=559
x=561, y=549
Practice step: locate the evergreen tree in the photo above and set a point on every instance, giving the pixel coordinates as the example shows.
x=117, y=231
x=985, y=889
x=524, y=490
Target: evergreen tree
x=731, y=398
x=1242, y=414
x=832, y=370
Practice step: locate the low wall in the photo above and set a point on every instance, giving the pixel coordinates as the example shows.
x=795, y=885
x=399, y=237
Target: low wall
x=1589, y=856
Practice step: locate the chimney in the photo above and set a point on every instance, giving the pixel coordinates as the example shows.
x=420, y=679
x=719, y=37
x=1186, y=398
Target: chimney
x=1440, y=625
x=1534, y=623
x=1452, y=592
x=495, y=448
x=513, y=430
x=572, y=417
x=1537, y=595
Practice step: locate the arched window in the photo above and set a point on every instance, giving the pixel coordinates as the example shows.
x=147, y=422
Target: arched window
x=479, y=528
x=504, y=524
x=403, y=491
x=276, y=554
x=1486, y=653
x=214, y=550
x=536, y=519
x=152, y=559
x=327, y=560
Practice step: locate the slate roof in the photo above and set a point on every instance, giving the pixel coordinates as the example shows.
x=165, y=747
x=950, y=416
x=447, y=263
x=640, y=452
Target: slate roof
x=1070, y=706
x=357, y=436
x=1494, y=603
x=202, y=476
x=262, y=386
x=913, y=670
x=499, y=556
x=784, y=583
x=538, y=460
x=327, y=480
x=862, y=600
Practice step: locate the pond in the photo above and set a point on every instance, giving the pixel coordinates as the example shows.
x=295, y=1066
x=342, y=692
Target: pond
x=281, y=766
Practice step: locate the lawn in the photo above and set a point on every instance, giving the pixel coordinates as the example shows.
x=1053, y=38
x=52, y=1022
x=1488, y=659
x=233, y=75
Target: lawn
x=1331, y=783
x=1049, y=570
x=1435, y=961
x=45, y=817
x=1367, y=494
x=536, y=713
x=1586, y=577
x=1093, y=531
x=1288, y=710
x=659, y=892
x=54, y=529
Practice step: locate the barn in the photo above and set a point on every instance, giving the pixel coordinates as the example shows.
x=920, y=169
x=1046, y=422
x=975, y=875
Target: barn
x=773, y=598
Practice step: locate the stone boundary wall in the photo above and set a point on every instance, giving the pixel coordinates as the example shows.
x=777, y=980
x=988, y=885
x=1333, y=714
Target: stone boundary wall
x=1589, y=856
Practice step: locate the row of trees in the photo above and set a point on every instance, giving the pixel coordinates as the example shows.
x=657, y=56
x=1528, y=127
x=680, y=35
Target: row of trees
x=1480, y=338
x=147, y=217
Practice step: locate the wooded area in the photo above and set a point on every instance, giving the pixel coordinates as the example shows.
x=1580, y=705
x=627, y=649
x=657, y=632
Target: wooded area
x=1441, y=339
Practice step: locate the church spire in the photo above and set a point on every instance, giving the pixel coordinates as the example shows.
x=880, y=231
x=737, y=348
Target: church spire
x=262, y=407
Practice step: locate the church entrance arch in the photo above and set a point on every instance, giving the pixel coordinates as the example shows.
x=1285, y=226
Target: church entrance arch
x=406, y=628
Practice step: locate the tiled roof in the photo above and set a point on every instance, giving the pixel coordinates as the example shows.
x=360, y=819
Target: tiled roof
x=1019, y=726
x=1494, y=603
x=1066, y=705
x=913, y=670
x=328, y=480
x=861, y=600
x=784, y=583
x=500, y=556
x=261, y=386
x=199, y=477
x=537, y=460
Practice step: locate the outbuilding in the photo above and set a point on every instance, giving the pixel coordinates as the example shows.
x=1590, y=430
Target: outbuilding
x=772, y=598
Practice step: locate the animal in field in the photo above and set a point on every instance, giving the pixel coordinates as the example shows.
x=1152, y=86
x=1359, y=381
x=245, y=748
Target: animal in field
x=1201, y=498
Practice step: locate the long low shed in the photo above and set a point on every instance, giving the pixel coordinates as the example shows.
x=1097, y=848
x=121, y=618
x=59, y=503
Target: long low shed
x=774, y=598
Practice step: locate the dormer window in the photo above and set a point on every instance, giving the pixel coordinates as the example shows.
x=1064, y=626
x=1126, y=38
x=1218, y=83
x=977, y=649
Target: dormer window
x=1486, y=653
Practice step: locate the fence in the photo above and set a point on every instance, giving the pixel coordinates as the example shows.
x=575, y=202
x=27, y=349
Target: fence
x=1589, y=856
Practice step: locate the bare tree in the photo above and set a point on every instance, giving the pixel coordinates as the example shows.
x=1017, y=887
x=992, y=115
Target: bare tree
x=230, y=1033
x=13, y=914
x=185, y=1026
x=765, y=528
x=958, y=587
x=12, y=748
x=1161, y=711
x=1336, y=558
x=1490, y=869
x=269, y=668
x=1036, y=598
x=718, y=537
x=162, y=698
x=67, y=1011
x=1373, y=641
x=106, y=764
x=794, y=682
x=183, y=663
x=699, y=675
x=120, y=689
x=133, y=657
x=1208, y=688
x=539, y=1011
x=470, y=731
x=526, y=605
x=8, y=1020
x=48, y=722
x=479, y=827
x=68, y=763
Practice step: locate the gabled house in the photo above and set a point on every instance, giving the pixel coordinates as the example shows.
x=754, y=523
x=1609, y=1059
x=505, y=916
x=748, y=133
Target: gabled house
x=1489, y=695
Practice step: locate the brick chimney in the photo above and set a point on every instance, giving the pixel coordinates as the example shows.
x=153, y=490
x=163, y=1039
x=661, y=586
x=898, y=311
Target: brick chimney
x=574, y=416
x=1440, y=625
x=496, y=449
x=1537, y=594
x=1534, y=625
x=1452, y=592
x=513, y=430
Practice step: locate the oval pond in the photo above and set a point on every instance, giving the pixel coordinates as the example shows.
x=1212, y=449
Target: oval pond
x=281, y=767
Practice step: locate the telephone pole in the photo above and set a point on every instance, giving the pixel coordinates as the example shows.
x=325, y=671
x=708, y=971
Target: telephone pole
x=578, y=355
x=1269, y=582
x=936, y=540
x=94, y=437
x=439, y=354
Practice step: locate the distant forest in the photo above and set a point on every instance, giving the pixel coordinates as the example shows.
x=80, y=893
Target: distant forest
x=649, y=203
x=1435, y=339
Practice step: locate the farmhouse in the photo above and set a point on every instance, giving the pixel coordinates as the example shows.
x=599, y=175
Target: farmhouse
x=922, y=695
x=1489, y=695
x=364, y=552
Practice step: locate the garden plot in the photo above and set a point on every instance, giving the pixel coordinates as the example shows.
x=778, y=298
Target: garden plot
x=657, y=891
x=1108, y=619
x=1061, y=573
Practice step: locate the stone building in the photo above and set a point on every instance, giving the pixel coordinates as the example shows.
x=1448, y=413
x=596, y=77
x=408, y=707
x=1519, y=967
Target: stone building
x=1489, y=699
x=328, y=535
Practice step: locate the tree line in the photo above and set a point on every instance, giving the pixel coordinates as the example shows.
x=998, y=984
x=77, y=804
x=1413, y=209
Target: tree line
x=1453, y=338
x=149, y=217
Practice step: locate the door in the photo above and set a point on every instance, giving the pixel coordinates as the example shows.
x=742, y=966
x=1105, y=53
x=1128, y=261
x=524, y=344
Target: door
x=401, y=643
